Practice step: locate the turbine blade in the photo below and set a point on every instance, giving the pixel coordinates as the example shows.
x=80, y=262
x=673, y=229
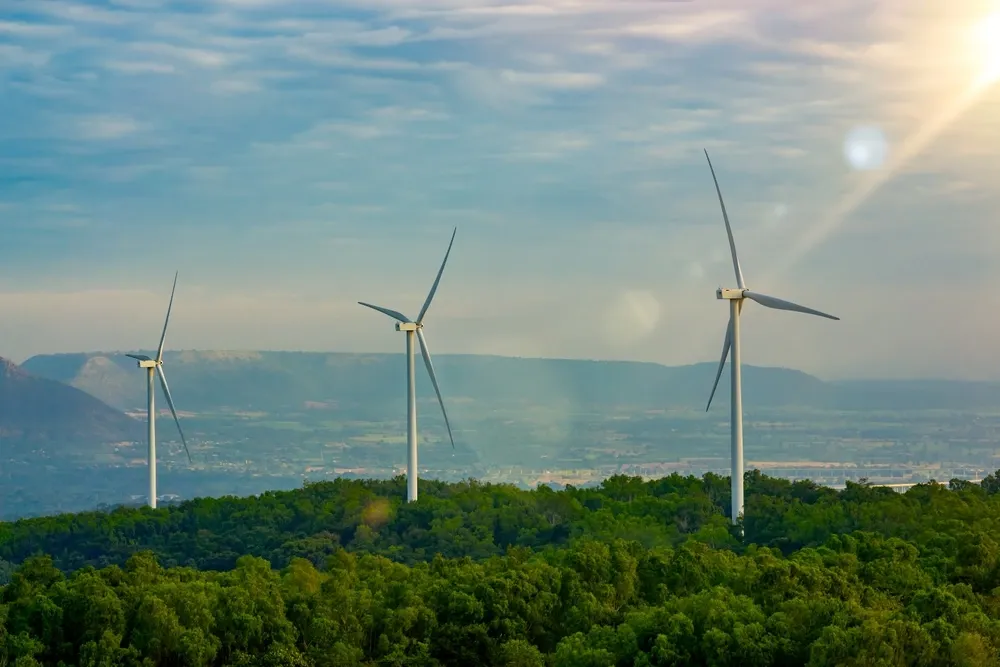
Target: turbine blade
x=722, y=362
x=163, y=336
x=430, y=371
x=781, y=304
x=170, y=402
x=394, y=314
x=139, y=357
x=729, y=229
x=430, y=295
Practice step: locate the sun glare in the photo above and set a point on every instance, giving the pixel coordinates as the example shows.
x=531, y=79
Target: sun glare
x=988, y=43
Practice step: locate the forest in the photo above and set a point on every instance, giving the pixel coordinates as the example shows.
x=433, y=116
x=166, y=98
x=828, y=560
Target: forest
x=630, y=573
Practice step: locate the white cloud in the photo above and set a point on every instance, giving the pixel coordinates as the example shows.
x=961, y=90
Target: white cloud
x=139, y=4
x=62, y=208
x=208, y=172
x=546, y=146
x=398, y=113
x=235, y=86
x=249, y=3
x=381, y=37
x=556, y=80
x=76, y=11
x=338, y=57
x=106, y=126
x=139, y=67
x=12, y=55
x=22, y=29
x=317, y=136
x=127, y=173
x=686, y=27
x=195, y=56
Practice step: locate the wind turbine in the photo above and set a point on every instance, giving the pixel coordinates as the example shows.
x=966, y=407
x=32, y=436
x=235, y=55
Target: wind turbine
x=411, y=327
x=155, y=367
x=736, y=298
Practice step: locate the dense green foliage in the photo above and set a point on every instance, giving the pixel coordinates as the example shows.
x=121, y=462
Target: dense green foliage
x=632, y=573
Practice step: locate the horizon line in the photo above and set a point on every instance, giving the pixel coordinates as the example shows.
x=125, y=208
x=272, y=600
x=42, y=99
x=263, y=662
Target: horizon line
x=507, y=356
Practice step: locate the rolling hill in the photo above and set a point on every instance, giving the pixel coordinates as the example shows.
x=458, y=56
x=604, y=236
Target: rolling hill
x=277, y=381
x=42, y=413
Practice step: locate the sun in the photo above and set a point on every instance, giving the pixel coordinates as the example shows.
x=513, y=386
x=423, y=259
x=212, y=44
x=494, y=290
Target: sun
x=987, y=37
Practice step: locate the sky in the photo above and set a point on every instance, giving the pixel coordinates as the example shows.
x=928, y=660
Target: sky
x=292, y=158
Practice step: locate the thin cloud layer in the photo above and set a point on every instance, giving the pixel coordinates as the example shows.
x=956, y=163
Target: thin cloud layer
x=325, y=149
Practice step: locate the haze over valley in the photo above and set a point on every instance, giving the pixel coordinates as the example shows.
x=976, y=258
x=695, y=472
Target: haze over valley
x=257, y=420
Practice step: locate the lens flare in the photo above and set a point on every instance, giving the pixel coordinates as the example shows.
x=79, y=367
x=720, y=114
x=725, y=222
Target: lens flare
x=987, y=38
x=865, y=148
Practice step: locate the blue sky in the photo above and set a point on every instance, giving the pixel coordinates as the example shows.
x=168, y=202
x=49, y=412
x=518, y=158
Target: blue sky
x=291, y=158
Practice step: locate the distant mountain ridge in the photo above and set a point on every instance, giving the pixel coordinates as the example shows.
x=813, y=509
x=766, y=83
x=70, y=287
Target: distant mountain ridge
x=275, y=381
x=43, y=412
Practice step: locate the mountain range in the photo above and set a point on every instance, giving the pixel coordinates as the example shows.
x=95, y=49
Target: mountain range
x=283, y=381
x=42, y=413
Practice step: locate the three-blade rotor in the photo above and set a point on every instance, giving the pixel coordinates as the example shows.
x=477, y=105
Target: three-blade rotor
x=762, y=299
x=424, y=352
x=157, y=363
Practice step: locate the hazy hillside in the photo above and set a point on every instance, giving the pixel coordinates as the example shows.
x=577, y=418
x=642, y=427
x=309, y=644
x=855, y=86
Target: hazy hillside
x=916, y=394
x=38, y=412
x=205, y=380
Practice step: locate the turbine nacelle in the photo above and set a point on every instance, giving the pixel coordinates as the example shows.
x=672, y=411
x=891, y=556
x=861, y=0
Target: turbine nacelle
x=729, y=293
x=143, y=361
x=408, y=326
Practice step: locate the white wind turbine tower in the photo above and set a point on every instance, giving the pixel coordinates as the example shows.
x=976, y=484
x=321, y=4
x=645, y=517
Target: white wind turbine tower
x=155, y=367
x=411, y=327
x=736, y=298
